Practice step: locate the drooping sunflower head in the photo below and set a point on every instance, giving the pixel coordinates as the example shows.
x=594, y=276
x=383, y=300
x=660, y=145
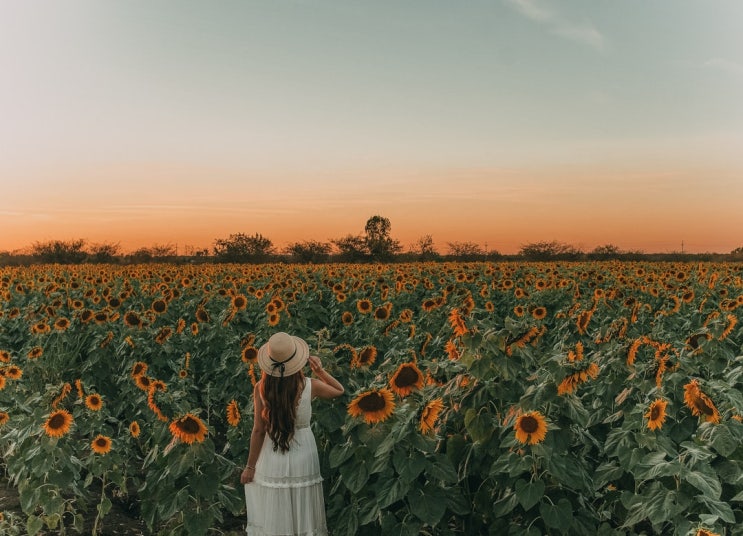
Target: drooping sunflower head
x=188, y=429
x=58, y=423
x=531, y=428
x=101, y=444
x=430, y=415
x=374, y=406
x=4, y=356
x=4, y=418
x=656, y=414
x=347, y=318
x=35, y=352
x=139, y=369
x=406, y=379
x=233, y=413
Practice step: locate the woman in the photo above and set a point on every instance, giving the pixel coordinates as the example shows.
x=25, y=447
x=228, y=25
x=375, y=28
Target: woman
x=283, y=485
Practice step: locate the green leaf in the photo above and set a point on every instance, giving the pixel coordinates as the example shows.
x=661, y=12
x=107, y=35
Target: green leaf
x=428, y=503
x=557, y=516
x=478, y=424
x=708, y=485
x=718, y=508
x=33, y=525
x=197, y=523
x=392, y=490
x=341, y=453
x=505, y=505
x=723, y=441
x=104, y=506
x=529, y=493
x=442, y=470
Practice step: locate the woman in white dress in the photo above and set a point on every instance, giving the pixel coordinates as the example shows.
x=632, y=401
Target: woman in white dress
x=283, y=485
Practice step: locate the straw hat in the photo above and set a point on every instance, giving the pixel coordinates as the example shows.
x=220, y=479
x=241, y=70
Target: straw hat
x=283, y=355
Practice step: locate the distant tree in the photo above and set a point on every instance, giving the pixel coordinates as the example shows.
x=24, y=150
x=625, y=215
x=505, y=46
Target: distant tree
x=351, y=248
x=737, y=253
x=424, y=248
x=243, y=248
x=379, y=244
x=105, y=252
x=549, y=250
x=465, y=250
x=141, y=255
x=606, y=250
x=60, y=251
x=160, y=251
x=309, y=251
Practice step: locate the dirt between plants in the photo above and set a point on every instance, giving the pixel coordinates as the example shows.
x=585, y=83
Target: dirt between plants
x=122, y=520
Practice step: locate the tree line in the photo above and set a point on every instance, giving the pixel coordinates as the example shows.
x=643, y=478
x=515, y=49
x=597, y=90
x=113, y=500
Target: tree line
x=375, y=244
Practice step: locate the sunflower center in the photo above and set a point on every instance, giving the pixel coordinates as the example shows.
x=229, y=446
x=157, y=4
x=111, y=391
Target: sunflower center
x=655, y=413
x=372, y=402
x=407, y=377
x=366, y=355
x=529, y=424
x=702, y=406
x=57, y=421
x=189, y=425
x=101, y=442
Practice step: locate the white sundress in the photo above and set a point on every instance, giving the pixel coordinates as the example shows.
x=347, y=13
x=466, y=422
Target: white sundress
x=286, y=495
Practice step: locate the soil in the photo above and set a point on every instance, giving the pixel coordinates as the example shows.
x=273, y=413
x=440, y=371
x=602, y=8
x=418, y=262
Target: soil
x=122, y=520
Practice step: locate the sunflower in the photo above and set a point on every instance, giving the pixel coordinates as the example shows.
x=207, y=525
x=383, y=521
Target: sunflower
x=4, y=417
x=530, y=428
x=489, y=306
x=188, y=429
x=249, y=354
x=699, y=403
x=656, y=414
x=381, y=313
x=451, y=350
x=539, y=313
x=429, y=305
x=138, y=369
x=239, y=302
x=406, y=316
x=143, y=382
x=518, y=310
x=58, y=423
x=3, y=381
x=705, y=532
x=132, y=319
x=406, y=379
x=233, y=413
x=365, y=357
x=35, y=352
x=101, y=317
x=202, y=315
x=430, y=414
x=194, y=329
x=457, y=323
x=134, y=429
x=183, y=373
x=86, y=316
x=180, y=325
x=347, y=318
x=101, y=444
x=4, y=356
x=61, y=324
x=94, y=402
x=375, y=406
x=159, y=306
x=732, y=321
x=13, y=372
x=163, y=335
x=273, y=319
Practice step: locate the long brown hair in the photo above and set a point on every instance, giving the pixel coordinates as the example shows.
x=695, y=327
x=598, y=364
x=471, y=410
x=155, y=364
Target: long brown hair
x=280, y=397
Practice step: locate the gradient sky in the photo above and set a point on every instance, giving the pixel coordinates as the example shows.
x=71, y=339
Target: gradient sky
x=500, y=122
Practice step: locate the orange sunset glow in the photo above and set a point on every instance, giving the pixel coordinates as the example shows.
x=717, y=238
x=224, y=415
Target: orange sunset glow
x=501, y=124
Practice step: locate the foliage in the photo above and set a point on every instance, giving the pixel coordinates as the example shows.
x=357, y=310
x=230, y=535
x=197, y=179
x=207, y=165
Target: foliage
x=309, y=251
x=240, y=247
x=587, y=347
x=548, y=250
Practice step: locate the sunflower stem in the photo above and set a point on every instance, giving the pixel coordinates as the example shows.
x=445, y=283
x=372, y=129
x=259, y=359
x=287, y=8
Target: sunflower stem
x=98, y=523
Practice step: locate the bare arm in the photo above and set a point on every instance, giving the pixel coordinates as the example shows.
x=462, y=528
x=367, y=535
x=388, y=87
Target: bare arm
x=257, y=437
x=327, y=386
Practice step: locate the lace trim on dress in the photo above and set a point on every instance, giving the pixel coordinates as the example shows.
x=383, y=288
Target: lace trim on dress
x=288, y=482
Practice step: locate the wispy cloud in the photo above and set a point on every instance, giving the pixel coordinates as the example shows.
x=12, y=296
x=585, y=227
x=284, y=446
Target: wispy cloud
x=726, y=65
x=584, y=33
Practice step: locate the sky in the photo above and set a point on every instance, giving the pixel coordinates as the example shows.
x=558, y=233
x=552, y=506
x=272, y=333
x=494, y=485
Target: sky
x=498, y=122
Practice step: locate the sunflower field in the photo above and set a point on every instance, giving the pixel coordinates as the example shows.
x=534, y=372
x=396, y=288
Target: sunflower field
x=481, y=398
